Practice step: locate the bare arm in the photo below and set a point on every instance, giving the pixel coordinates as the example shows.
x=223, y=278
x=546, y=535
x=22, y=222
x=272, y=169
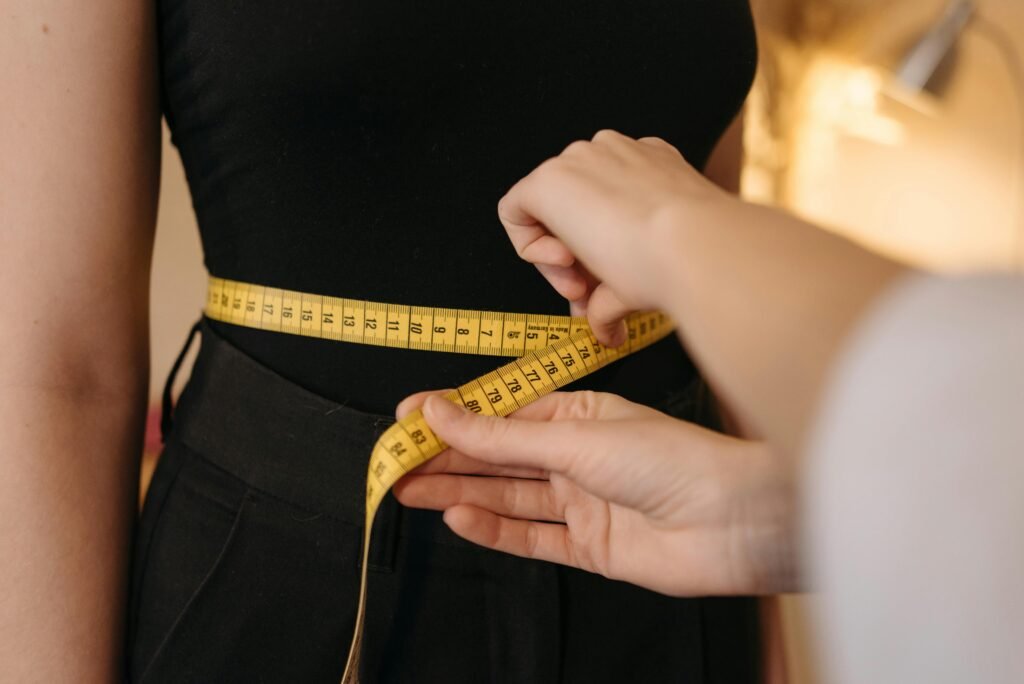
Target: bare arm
x=79, y=165
x=767, y=302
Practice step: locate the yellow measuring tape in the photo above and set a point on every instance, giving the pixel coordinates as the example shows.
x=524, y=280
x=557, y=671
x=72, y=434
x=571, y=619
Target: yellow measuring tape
x=551, y=351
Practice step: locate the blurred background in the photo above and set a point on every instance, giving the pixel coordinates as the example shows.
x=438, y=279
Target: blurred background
x=898, y=123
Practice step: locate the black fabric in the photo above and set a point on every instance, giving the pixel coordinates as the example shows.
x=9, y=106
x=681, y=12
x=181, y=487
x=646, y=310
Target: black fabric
x=358, y=149
x=246, y=566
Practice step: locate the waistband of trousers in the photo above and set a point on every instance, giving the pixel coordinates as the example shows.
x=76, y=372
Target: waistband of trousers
x=271, y=433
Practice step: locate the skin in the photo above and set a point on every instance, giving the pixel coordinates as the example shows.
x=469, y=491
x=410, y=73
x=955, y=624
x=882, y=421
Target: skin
x=553, y=489
x=79, y=130
x=616, y=225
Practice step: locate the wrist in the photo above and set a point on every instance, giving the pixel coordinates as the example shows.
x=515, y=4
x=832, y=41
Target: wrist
x=669, y=240
x=683, y=249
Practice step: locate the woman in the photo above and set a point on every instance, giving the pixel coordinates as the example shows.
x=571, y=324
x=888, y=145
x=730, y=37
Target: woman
x=347, y=149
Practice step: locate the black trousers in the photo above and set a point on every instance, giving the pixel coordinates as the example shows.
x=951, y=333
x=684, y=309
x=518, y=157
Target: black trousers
x=246, y=566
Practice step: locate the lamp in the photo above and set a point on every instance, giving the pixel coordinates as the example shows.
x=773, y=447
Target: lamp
x=923, y=60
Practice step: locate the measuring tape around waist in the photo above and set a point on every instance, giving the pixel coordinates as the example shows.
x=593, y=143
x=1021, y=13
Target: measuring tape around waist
x=550, y=351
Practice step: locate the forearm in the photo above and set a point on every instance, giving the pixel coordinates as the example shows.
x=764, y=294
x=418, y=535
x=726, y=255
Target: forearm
x=765, y=303
x=67, y=503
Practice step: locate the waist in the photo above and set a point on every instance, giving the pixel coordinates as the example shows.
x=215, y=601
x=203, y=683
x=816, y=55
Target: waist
x=291, y=444
x=375, y=379
x=285, y=439
x=272, y=433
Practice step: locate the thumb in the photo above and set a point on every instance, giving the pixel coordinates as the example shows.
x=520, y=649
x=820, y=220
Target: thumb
x=501, y=441
x=630, y=462
x=606, y=313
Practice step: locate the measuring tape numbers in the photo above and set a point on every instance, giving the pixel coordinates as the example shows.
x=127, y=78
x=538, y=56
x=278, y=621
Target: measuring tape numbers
x=550, y=351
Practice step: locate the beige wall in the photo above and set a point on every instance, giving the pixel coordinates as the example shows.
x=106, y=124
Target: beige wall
x=179, y=282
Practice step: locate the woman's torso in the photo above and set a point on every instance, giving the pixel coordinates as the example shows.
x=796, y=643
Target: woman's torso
x=358, y=149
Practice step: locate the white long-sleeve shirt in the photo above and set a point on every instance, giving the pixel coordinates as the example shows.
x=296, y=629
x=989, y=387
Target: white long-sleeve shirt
x=915, y=482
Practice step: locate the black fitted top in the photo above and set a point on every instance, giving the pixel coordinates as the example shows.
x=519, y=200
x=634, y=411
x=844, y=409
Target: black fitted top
x=358, y=148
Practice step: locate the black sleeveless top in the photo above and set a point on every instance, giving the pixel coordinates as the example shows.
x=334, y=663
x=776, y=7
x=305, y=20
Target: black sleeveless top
x=359, y=148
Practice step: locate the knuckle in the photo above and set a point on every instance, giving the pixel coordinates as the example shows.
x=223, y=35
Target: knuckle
x=572, y=552
x=551, y=503
x=586, y=404
x=656, y=140
x=492, y=429
x=531, y=541
x=503, y=206
x=576, y=147
x=511, y=498
x=549, y=170
x=605, y=135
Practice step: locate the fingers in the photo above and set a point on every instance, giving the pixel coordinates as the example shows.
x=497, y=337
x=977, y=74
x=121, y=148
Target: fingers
x=565, y=406
x=554, y=406
x=508, y=497
x=453, y=461
x=606, y=312
x=415, y=401
x=578, y=307
x=545, y=249
x=660, y=144
x=547, y=435
x=627, y=456
x=522, y=210
x=534, y=243
x=568, y=282
x=503, y=442
x=562, y=189
x=624, y=143
x=527, y=539
x=520, y=223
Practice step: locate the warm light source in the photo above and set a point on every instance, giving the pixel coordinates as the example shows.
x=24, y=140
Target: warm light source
x=843, y=98
x=924, y=59
x=898, y=151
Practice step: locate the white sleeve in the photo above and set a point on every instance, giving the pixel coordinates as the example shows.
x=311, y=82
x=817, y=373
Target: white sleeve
x=915, y=490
